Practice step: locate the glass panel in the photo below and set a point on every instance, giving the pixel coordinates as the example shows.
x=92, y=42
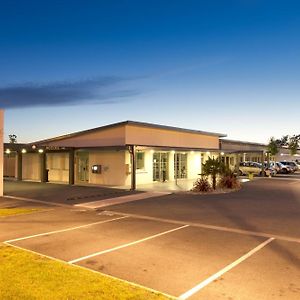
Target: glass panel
x=140, y=160
x=180, y=165
x=83, y=167
x=160, y=166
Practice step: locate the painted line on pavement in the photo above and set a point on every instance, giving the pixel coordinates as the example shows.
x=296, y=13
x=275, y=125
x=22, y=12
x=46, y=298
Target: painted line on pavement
x=126, y=245
x=215, y=276
x=213, y=227
x=120, y=200
x=64, y=230
x=294, y=182
x=38, y=201
x=27, y=213
x=91, y=270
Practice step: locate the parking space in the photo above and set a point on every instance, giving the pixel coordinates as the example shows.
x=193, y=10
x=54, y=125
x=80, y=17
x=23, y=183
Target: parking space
x=243, y=245
x=163, y=256
x=99, y=236
x=174, y=259
x=175, y=262
x=273, y=273
x=51, y=219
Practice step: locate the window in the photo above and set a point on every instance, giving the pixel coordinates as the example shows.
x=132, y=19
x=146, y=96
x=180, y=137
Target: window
x=140, y=160
x=180, y=165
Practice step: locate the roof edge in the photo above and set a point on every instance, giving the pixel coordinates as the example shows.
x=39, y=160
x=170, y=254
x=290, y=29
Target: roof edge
x=128, y=122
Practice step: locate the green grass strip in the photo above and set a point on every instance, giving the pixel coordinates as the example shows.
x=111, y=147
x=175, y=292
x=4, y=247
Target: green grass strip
x=28, y=276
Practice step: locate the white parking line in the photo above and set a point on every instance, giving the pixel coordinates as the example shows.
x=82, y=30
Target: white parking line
x=123, y=199
x=209, y=280
x=64, y=230
x=294, y=182
x=126, y=245
x=38, y=201
x=213, y=227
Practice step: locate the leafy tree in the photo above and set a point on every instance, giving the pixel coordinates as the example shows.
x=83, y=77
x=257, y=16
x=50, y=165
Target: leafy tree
x=284, y=141
x=213, y=167
x=273, y=146
x=12, y=138
x=291, y=142
x=294, y=144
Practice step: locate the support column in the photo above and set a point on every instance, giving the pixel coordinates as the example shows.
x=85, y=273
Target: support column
x=20, y=167
x=133, y=167
x=43, y=167
x=263, y=164
x=1, y=151
x=237, y=164
x=268, y=159
x=71, y=166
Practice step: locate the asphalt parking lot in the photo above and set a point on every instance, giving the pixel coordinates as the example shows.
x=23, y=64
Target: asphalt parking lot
x=242, y=245
x=61, y=193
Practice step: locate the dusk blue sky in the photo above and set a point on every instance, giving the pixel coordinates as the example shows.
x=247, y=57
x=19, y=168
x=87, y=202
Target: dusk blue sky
x=224, y=66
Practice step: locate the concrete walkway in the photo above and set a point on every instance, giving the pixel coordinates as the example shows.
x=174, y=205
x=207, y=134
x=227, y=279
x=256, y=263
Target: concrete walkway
x=119, y=200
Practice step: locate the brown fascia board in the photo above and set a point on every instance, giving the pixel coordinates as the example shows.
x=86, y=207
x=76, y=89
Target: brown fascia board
x=242, y=142
x=141, y=124
x=14, y=146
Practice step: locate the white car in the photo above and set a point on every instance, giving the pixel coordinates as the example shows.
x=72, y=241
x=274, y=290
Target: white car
x=291, y=164
x=254, y=168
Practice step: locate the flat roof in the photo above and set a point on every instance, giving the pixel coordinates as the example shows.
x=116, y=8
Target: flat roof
x=242, y=142
x=135, y=123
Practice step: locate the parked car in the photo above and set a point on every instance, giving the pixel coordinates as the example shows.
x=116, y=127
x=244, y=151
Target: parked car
x=254, y=168
x=283, y=169
x=274, y=166
x=298, y=164
x=292, y=164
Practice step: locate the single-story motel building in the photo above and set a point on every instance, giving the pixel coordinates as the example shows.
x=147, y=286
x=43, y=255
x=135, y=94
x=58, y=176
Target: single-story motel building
x=126, y=154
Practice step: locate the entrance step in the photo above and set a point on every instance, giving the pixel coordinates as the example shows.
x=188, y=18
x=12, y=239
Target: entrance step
x=122, y=199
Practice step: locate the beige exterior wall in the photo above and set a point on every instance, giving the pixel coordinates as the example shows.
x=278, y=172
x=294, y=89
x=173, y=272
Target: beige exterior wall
x=113, y=167
x=284, y=154
x=139, y=135
x=145, y=176
x=106, y=137
x=194, y=164
x=31, y=167
x=10, y=165
x=1, y=151
x=58, y=166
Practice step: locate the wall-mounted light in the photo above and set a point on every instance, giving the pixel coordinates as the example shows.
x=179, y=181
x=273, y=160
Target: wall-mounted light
x=208, y=153
x=7, y=151
x=97, y=169
x=192, y=152
x=33, y=147
x=222, y=153
x=23, y=150
x=41, y=150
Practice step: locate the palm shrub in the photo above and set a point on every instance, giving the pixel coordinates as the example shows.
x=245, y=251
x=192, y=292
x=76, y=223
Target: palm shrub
x=214, y=167
x=202, y=185
x=229, y=181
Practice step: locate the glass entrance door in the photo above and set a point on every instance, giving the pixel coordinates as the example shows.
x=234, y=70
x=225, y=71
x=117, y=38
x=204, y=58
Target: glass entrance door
x=180, y=165
x=83, y=167
x=160, y=166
